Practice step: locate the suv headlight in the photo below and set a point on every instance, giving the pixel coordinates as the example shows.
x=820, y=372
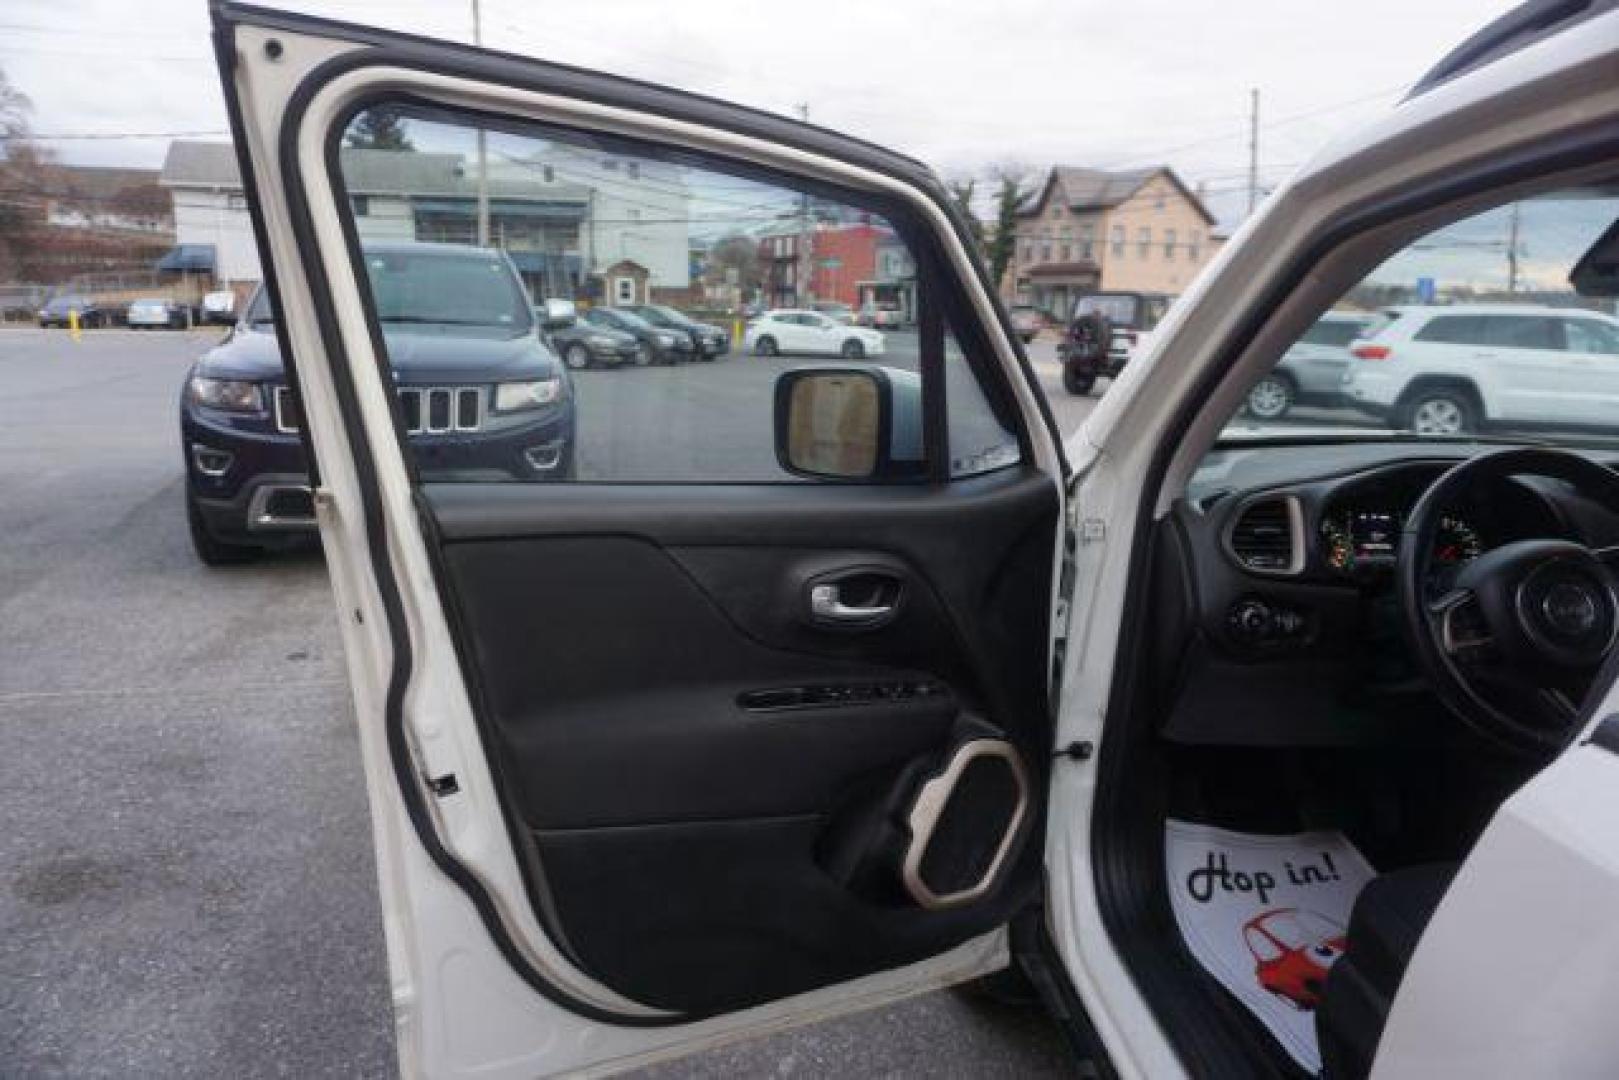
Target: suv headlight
x=515, y=396
x=232, y=395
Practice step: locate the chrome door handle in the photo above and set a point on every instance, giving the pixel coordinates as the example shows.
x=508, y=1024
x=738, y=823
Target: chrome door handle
x=826, y=604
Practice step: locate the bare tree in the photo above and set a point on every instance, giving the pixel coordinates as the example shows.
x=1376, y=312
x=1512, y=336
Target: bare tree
x=23, y=175
x=735, y=260
x=1013, y=189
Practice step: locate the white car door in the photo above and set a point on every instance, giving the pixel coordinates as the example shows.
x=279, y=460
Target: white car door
x=655, y=764
x=825, y=334
x=1593, y=350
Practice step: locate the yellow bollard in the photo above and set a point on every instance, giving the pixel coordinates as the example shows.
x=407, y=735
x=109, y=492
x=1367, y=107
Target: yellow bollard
x=73, y=323
x=736, y=334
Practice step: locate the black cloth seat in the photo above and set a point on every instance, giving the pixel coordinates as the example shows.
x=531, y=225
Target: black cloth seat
x=1389, y=917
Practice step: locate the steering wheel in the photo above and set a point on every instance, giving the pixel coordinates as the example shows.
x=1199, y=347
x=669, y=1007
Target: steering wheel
x=1517, y=641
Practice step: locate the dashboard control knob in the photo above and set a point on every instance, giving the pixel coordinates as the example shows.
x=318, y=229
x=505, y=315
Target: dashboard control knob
x=1252, y=620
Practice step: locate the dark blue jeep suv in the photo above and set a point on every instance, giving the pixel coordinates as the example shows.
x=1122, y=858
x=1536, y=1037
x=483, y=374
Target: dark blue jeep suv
x=481, y=397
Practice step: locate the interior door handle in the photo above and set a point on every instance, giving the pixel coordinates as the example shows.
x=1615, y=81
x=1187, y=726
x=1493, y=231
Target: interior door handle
x=826, y=604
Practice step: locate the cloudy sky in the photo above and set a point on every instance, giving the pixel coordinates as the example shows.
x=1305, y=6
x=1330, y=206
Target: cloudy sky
x=964, y=86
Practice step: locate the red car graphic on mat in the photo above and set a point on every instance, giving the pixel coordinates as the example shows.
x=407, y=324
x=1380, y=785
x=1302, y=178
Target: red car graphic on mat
x=1293, y=950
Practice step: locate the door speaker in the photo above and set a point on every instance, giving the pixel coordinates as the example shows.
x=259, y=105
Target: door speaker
x=964, y=823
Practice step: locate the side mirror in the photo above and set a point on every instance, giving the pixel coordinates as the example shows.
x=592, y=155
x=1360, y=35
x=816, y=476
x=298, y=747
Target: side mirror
x=556, y=314
x=850, y=423
x=1597, y=272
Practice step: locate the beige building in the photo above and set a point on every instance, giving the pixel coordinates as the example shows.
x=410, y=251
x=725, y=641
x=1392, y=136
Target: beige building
x=1090, y=229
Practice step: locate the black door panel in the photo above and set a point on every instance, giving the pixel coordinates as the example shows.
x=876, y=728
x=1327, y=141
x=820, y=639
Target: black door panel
x=692, y=760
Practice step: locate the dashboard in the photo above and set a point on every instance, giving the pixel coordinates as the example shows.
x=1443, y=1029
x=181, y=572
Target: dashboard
x=1274, y=597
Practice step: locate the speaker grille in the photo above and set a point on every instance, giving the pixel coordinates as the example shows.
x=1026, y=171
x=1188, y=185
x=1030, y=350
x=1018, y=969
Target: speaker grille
x=971, y=826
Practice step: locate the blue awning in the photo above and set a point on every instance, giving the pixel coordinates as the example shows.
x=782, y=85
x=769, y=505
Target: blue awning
x=198, y=258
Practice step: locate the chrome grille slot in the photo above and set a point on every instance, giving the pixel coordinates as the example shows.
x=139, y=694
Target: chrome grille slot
x=435, y=410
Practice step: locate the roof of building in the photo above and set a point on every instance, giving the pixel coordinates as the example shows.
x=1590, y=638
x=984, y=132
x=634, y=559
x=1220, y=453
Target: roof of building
x=192, y=163
x=103, y=181
x=1102, y=189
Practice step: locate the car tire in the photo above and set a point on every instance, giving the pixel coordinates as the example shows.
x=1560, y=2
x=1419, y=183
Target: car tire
x=853, y=350
x=1077, y=382
x=1271, y=398
x=1443, y=410
x=577, y=357
x=211, y=550
x=766, y=346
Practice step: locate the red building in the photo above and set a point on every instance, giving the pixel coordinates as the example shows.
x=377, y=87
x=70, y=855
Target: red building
x=841, y=258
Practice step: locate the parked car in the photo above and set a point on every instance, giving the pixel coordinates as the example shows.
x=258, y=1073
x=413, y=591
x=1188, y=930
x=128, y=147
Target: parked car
x=157, y=313
x=481, y=397
x=842, y=313
x=881, y=315
x=1123, y=322
x=583, y=344
x=1312, y=371
x=663, y=346
x=58, y=311
x=1027, y=321
x=1459, y=368
x=710, y=341
x=800, y=331
x=219, y=307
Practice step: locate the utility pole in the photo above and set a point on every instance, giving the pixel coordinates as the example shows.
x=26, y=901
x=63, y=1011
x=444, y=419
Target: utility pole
x=1253, y=149
x=806, y=253
x=483, y=148
x=1512, y=250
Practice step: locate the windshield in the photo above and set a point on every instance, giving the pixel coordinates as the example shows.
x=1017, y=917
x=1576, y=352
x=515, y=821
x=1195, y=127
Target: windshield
x=1120, y=310
x=618, y=320
x=447, y=287
x=666, y=314
x=1472, y=332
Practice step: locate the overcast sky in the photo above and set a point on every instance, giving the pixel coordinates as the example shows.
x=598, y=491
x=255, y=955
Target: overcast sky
x=961, y=85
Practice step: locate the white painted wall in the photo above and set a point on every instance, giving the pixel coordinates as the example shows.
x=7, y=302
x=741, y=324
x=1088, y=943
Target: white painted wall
x=218, y=218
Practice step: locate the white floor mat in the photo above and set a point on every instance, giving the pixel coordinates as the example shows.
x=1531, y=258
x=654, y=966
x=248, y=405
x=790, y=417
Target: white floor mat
x=1266, y=915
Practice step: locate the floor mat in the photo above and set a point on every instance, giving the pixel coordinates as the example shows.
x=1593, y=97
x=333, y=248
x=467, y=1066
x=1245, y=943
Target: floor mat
x=1266, y=916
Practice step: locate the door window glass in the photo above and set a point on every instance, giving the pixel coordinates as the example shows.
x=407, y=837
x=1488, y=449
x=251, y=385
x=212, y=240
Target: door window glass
x=668, y=265
x=1590, y=336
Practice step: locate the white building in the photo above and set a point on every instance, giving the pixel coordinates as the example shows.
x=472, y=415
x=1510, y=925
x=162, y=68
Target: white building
x=565, y=215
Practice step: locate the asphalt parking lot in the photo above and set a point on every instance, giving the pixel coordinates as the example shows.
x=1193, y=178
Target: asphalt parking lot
x=189, y=888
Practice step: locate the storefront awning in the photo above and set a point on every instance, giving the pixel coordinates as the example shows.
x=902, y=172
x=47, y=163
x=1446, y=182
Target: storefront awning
x=189, y=258
x=548, y=263
x=506, y=208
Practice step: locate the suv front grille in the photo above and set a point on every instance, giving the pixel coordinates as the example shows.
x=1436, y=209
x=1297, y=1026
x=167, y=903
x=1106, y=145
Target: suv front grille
x=435, y=410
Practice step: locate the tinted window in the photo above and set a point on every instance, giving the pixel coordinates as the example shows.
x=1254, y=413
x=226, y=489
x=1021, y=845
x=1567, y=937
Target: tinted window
x=1521, y=332
x=1454, y=330
x=1332, y=332
x=1118, y=309
x=1590, y=336
x=670, y=237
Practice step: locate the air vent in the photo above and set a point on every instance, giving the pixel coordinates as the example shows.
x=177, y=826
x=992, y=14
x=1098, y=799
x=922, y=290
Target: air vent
x=1266, y=536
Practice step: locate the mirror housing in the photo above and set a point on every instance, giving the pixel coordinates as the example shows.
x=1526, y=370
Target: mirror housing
x=556, y=314
x=850, y=424
x=1597, y=272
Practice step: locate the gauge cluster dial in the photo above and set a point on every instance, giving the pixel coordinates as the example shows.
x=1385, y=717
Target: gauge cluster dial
x=1357, y=538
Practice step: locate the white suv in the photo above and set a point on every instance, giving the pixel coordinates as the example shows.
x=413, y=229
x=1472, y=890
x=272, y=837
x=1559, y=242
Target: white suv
x=1444, y=370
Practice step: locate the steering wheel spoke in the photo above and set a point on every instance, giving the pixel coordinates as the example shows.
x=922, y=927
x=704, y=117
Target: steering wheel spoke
x=1459, y=626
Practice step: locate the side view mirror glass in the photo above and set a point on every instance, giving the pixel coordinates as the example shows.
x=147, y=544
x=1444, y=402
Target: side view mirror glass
x=556, y=314
x=850, y=423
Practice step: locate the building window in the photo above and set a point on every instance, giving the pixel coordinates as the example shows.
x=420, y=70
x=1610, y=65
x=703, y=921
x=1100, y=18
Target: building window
x=610, y=164
x=624, y=290
x=1169, y=244
x=1194, y=242
x=1056, y=212
x=633, y=169
x=361, y=205
x=635, y=213
x=1067, y=253
x=1118, y=239
x=1158, y=201
x=1028, y=252
x=1045, y=253
x=548, y=174
x=1144, y=241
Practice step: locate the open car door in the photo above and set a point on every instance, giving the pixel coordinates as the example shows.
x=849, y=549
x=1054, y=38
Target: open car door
x=694, y=699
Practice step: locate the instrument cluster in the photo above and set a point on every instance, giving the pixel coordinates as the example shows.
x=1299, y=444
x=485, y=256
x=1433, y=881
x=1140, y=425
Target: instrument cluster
x=1356, y=537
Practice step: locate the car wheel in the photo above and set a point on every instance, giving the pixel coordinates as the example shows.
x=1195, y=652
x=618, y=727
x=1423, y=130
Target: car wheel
x=1439, y=412
x=766, y=346
x=853, y=349
x=1077, y=382
x=1271, y=398
x=577, y=357
x=211, y=550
